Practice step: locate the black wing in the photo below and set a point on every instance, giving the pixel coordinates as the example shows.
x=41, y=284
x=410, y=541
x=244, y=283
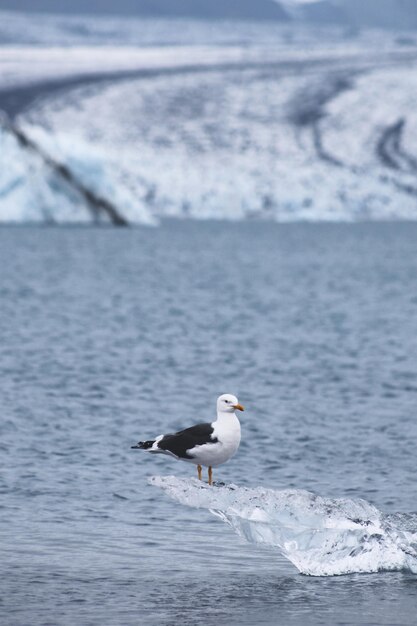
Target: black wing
x=184, y=440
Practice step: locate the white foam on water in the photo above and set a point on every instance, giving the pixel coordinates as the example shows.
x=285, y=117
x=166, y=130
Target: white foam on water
x=320, y=536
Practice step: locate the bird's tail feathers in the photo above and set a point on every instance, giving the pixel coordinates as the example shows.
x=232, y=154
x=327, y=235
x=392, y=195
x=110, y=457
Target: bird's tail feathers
x=144, y=445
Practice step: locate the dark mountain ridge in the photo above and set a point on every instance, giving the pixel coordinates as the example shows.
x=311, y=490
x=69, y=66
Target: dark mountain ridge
x=392, y=14
x=202, y=9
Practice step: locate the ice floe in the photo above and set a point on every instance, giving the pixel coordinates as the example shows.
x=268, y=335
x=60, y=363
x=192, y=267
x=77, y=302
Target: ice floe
x=320, y=536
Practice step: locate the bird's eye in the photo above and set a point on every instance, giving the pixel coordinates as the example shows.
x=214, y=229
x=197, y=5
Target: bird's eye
x=227, y=401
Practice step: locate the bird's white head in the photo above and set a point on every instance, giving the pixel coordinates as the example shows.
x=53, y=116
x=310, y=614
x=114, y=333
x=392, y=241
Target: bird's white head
x=228, y=404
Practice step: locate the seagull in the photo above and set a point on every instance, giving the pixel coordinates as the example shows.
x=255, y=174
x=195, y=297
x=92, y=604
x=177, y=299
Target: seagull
x=203, y=444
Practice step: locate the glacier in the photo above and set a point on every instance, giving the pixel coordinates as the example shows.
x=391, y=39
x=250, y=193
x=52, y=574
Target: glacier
x=248, y=122
x=320, y=536
x=211, y=146
x=47, y=184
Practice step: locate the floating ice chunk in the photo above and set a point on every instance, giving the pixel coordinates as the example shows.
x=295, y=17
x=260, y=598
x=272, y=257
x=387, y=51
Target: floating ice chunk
x=320, y=536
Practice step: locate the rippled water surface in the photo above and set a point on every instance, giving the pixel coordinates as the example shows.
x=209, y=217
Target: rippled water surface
x=111, y=335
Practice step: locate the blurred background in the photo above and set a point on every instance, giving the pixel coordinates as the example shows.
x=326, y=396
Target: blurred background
x=200, y=197
x=281, y=111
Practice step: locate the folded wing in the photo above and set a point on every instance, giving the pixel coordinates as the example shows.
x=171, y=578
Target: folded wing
x=181, y=442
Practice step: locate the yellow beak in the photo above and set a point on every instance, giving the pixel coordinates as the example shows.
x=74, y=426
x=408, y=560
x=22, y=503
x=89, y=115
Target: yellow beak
x=239, y=407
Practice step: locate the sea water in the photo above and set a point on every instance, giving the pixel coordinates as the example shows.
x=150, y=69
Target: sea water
x=110, y=336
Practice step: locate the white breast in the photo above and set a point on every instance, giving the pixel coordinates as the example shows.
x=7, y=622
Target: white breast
x=227, y=432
